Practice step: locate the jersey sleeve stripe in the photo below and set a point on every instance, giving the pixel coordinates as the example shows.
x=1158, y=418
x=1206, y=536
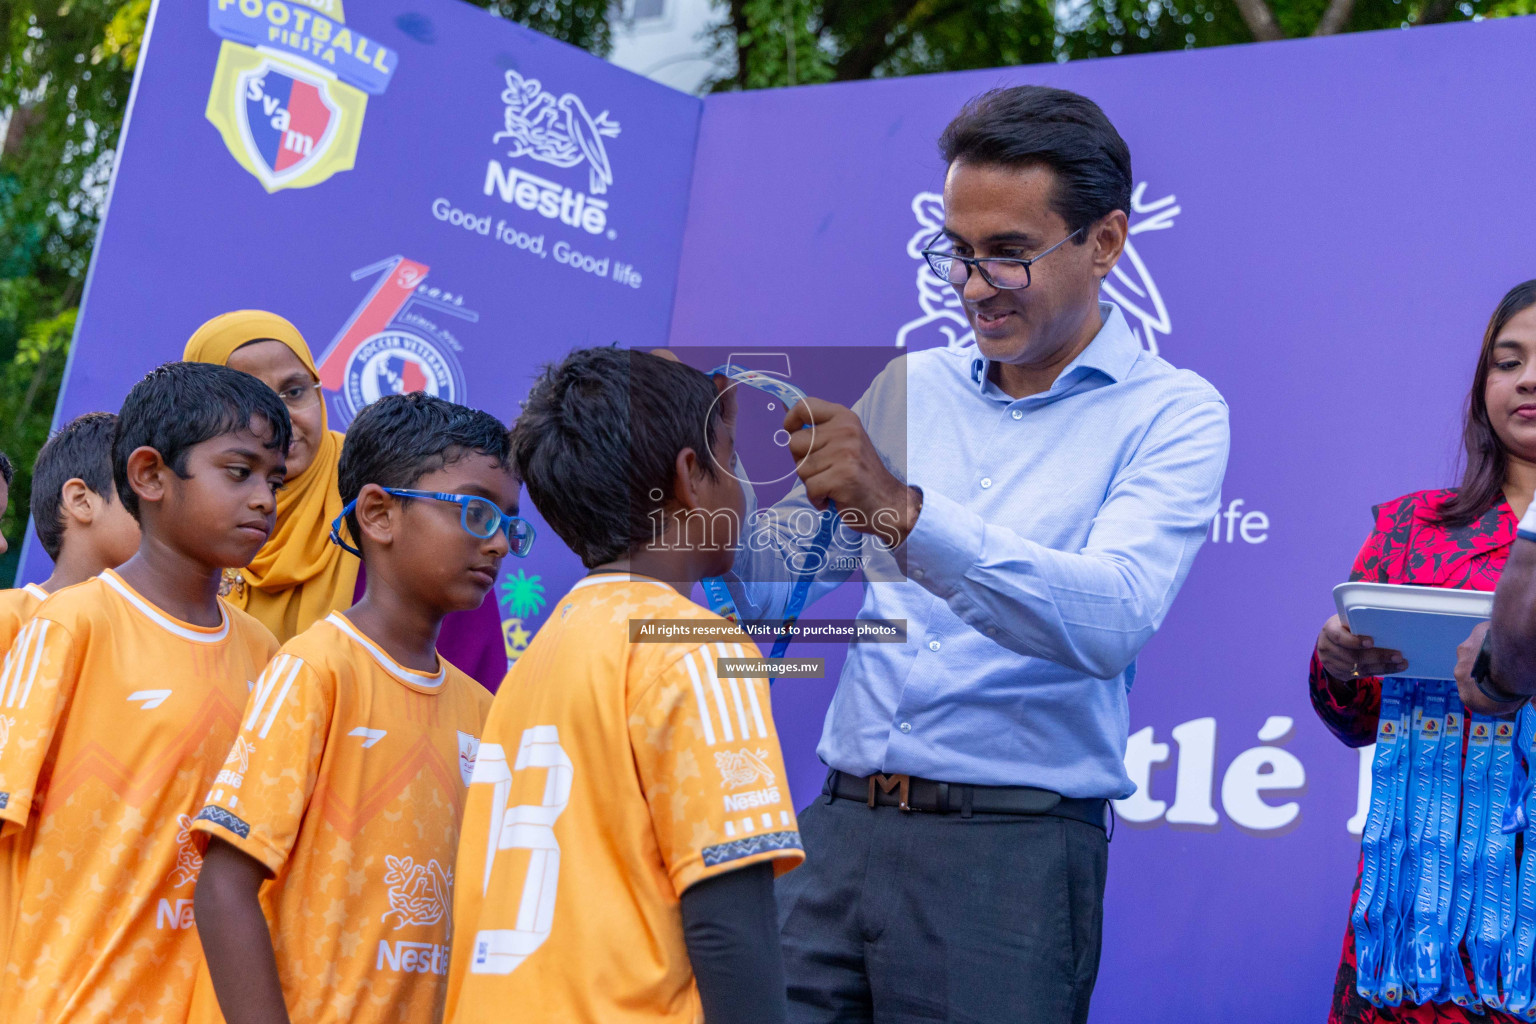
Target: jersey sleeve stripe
x=741, y=709
x=21, y=666
x=13, y=662
x=39, y=639
x=714, y=685
x=757, y=708
x=698, y=695
x=264, y=684
x=282, y=695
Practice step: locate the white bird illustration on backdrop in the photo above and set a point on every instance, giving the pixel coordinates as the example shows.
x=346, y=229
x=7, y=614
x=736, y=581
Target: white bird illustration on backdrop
x=560, y=132
x=1133, y=288
x=1130, y=285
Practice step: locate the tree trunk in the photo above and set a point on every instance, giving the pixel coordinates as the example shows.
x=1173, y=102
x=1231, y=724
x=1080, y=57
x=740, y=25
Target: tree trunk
x=1260, y=20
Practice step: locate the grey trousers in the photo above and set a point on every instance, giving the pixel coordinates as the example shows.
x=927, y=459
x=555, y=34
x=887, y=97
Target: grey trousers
x=903, y=917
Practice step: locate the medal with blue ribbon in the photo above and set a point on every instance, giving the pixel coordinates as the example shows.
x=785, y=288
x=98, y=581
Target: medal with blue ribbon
x=813, y=558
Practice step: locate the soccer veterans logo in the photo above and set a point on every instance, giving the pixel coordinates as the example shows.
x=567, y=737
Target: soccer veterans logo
x=291, y=87
x=398, y=341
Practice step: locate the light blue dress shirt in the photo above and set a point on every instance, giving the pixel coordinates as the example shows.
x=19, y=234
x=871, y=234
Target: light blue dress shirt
x=1054, y=534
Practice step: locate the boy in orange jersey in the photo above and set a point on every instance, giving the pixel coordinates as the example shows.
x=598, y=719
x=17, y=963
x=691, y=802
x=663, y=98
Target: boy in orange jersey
x=346, y=785
x=81, y=523
x=85, y=529
x=16, y=606
x=120, y=698
x=628, y=812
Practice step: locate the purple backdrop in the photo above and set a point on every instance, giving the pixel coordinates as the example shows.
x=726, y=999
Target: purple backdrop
x=1345, y=213
x=1322, y=229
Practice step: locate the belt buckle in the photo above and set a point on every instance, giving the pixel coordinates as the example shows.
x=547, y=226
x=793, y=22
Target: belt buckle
x=887, y=783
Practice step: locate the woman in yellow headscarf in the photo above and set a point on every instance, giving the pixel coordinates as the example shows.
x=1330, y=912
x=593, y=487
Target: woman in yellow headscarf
x=299, y=576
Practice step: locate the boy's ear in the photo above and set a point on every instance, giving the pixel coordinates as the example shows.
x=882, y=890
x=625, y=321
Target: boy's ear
x=375, y=514
x=687, y=479
x=78, y=501
x=148, y=474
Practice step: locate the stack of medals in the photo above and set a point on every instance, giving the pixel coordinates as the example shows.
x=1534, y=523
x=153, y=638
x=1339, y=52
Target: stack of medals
x=1440, y=861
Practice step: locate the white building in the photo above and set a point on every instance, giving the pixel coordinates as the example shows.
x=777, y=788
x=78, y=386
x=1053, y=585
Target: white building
x=666, y=40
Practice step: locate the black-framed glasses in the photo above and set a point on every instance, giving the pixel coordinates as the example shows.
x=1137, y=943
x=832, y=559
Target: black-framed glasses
x=478, y=516
x=1005, y=272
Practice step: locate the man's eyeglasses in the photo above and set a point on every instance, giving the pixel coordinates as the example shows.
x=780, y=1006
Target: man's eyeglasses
x=1004, y=272
x=478, y=516
x=300, y=396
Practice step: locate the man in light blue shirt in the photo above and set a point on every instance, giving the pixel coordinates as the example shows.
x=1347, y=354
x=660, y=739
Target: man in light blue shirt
x=1030, y=507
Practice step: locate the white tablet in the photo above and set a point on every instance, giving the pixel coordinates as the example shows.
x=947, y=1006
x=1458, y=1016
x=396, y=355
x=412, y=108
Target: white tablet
x=1425, y=623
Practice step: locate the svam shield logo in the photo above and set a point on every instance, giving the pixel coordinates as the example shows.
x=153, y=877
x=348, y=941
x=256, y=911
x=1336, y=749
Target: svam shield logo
x=287, y=120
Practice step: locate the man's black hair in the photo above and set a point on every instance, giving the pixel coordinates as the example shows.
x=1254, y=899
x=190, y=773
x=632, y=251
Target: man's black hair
x=1032, y=125
x=181, y=405
x=7, y=471
x=399, y=439
x=597, y=444
x=83, y=449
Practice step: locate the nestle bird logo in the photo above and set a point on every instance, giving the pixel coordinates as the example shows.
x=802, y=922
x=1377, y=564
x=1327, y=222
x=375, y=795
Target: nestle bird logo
x=417, y=893
x=556, y=130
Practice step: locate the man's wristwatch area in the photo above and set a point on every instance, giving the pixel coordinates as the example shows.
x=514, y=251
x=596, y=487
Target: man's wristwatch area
x=1485, y=684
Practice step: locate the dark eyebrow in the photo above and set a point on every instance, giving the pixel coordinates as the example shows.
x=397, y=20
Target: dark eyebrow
x=244, y=453
x=1016, y=237
x=296, y=379
x=1507, y=343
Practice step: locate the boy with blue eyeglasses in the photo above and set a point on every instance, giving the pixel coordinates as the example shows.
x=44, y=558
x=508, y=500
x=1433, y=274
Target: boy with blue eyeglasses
x=331, y=832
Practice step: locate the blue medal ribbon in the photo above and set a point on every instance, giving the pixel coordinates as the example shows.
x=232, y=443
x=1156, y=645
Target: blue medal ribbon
x=1375, y=843
x=812, y=559
x=1470, y=861
x=1450, y=815
x=1498, y=883
x=1516, y=954
x=1421, y=961
x=1395, y=925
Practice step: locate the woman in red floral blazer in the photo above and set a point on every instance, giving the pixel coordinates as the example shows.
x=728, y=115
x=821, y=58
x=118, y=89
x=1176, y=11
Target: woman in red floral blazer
x=1443, y=538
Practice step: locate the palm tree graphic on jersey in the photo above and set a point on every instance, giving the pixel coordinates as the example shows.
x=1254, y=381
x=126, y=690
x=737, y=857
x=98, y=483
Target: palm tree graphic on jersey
x=1129, y=285
x=557, y=131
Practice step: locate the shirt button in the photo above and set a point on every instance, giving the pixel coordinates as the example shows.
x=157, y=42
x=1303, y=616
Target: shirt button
x=918, y=574
x=1018, y=414
x=906, y=726
x=986, y=482
x=991, y=631
x=934, y=645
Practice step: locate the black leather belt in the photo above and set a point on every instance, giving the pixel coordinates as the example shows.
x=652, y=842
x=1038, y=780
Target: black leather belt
x=910, y=793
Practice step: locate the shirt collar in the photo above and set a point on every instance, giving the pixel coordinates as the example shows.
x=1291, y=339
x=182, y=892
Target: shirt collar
x=1112, y=352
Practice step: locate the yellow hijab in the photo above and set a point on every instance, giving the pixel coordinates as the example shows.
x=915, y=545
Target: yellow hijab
x=298, y=577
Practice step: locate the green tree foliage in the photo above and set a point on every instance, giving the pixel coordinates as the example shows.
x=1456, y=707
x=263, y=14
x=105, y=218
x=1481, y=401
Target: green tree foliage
x=789, y=42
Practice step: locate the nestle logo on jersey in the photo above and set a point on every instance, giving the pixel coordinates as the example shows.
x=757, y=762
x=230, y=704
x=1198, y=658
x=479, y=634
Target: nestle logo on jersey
x=754, y=798
x=175, y=914
x=413, y=957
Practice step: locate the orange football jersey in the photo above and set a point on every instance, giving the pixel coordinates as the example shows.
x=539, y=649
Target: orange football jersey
x=612, y=776
x=116, y=718
x=16, y=607
x=347, y=782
